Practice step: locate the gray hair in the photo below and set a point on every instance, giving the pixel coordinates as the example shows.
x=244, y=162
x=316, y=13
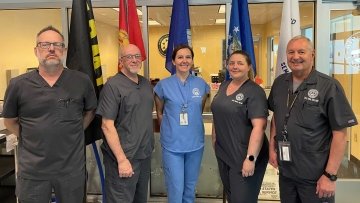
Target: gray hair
x=301, y=37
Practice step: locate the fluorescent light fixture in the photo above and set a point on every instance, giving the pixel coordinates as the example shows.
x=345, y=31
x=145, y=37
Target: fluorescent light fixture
x=222, y=9
x=153, y=22
x=220, y=21
x=137, y=11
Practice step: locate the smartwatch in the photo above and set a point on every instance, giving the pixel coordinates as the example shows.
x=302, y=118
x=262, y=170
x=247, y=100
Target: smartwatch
x=330, y=176
x=251, y=157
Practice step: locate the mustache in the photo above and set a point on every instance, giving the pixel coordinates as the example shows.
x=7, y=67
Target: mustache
x=51, y=54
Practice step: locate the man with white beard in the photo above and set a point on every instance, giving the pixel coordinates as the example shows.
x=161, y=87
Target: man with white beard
x=126, y=105
x=48, y=109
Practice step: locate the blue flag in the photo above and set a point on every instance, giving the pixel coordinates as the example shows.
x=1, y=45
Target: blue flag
x=240, y=35
x=180, y=32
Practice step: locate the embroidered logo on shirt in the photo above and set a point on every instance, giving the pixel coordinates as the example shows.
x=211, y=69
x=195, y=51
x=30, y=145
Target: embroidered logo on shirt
x=196, y=92
x=312, y=93
x=238, y=98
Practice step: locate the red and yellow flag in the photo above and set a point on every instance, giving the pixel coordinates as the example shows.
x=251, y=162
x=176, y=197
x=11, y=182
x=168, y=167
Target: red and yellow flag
x=129, y=27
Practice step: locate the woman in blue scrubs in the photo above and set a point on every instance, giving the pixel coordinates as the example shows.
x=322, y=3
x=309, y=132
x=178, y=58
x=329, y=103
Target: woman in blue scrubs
x=180, y=100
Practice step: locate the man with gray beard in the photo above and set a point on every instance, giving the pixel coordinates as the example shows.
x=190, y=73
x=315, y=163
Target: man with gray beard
x=48, y=109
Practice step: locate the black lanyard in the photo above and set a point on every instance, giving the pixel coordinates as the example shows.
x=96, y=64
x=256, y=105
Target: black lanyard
x=289, y=108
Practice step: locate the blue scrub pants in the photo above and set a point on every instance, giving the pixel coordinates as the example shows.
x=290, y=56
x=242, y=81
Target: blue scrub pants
x=181, y=172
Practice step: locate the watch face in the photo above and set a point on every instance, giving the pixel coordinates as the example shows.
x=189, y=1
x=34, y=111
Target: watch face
x=333, y=177
x=251, y=158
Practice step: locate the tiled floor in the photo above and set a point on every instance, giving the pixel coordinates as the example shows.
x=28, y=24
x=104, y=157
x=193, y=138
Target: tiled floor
x=12, y=199
x=348, y=170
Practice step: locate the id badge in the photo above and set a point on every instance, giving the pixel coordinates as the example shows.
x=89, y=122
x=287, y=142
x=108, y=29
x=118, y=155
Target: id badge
x=184, y=118
x=285, y=151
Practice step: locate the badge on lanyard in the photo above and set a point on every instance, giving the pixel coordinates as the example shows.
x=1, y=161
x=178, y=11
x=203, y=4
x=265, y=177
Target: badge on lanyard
x=284, y=145
x=184, y=115
x=285, y=151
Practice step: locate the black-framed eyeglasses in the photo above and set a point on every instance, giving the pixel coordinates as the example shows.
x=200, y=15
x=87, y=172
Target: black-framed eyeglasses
x=47, y=45
x=130, y=56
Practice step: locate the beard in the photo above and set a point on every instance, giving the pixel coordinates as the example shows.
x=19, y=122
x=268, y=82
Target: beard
x=51, y=64
x=134, y=70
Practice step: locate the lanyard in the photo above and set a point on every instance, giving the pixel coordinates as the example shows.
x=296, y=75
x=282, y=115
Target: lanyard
x=184, y=96
x=289, y=108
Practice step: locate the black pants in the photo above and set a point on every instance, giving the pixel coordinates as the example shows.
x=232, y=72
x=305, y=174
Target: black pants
x=68, y=189
x=240, y=189
x=129, y=190
x=300, y=191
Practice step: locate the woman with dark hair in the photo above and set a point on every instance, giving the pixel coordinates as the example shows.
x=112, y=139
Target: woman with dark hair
x=239, y=122
x=180, y=100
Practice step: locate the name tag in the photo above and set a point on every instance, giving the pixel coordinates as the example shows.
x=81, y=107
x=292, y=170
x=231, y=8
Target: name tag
x=184, y=118
x=285, y=151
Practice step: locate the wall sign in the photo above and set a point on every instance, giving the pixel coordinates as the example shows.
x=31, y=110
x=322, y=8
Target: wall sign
x=163, y=44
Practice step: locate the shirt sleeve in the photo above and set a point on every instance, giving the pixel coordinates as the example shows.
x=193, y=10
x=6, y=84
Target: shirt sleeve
x=159, y=90
x=270, y=99
x=339, y=110
x=109, y=102
x=257, y=105
x=10, y=109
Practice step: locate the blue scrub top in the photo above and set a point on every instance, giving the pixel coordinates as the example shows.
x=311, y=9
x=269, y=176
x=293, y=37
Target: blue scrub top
x=175, y=94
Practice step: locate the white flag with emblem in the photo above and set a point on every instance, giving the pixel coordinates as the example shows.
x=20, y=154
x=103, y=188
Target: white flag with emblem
x=290, y=27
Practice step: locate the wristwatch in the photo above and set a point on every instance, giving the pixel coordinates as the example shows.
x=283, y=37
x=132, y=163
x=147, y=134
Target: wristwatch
x=330, y=176
x=251, y=157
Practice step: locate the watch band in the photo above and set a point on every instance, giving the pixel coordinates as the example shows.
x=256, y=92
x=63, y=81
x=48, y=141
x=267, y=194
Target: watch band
x=330, y=176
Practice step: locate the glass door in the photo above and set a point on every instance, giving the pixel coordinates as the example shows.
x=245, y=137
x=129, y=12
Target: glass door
x=340, y=22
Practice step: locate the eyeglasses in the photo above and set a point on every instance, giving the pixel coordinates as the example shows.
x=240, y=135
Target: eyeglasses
x=129, y=56
x=47, y=45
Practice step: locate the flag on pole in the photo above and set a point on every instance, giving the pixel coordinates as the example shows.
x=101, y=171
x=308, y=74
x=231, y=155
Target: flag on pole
x=180, y=32
x=83, y=55
x=290, y=27
x=240, y=34
x=129, y=27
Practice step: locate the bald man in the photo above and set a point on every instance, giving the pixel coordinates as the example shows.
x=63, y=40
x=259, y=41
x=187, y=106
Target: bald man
x=126, y=104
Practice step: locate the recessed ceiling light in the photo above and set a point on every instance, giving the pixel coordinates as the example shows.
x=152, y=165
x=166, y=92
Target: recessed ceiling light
x=137, y=11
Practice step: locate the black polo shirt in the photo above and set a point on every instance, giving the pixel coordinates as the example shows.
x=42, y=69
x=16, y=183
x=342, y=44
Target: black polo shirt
x=232, y=119
x=319, y=108
x=51, y=141
x=130, y=105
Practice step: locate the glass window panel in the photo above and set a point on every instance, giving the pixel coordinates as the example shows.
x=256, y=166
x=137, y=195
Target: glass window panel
x=344, y=58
